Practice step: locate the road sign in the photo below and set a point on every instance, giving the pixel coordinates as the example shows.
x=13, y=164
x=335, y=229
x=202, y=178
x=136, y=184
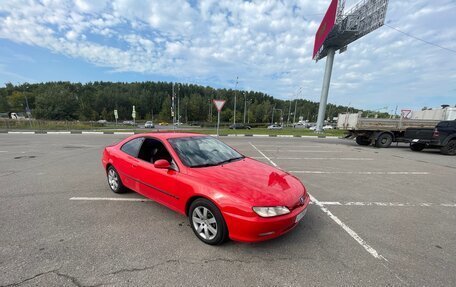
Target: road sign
x=116, y=115
x=219, y=104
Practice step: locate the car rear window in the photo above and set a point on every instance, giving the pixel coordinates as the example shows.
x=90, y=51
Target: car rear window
x=132, y=147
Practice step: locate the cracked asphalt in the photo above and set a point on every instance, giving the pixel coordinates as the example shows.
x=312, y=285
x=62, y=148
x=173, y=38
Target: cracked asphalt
x=48, y=240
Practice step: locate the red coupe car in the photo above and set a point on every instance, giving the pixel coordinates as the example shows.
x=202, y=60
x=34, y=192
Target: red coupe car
x=224, y=194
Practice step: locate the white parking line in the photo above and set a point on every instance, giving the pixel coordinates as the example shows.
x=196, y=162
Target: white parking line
x=3, y=151
x=24, y=133
x=300, y=150
x=284, y=147
x=110, y=199
x=92, y=133
x=362, y=172
x=387, y=204
x=58, y=133
x=124, y=133
x=318, y=158
x=347, y=229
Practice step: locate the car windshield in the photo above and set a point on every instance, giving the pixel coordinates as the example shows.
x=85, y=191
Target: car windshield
x=203, y=151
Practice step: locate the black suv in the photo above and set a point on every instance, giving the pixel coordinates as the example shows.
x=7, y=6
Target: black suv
x=443, y=137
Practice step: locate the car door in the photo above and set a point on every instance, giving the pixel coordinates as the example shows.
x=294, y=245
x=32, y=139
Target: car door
x=127, y=161
x=157, y=183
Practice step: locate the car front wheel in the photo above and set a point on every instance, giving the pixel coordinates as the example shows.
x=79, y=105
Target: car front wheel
x=207, y=222
x=449, y=148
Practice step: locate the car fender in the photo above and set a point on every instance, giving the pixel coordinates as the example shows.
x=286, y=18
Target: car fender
x=448, y=138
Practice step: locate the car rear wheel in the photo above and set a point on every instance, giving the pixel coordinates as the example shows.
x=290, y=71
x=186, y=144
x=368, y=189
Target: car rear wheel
x=449, y=148
x=114, y=181
x=207, y=222
x=384, y=140
x=417, y=146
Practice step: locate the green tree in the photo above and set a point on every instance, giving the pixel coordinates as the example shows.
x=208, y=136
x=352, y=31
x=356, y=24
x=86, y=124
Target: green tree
x=58, y=103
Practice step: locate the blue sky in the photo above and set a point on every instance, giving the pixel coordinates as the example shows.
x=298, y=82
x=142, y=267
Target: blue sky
x=267, y=44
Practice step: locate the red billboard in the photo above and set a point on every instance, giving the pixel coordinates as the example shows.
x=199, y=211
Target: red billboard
x=325, y=27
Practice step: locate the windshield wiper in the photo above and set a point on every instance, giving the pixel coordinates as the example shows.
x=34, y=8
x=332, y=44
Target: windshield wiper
x=231, y=159
x=205, y=165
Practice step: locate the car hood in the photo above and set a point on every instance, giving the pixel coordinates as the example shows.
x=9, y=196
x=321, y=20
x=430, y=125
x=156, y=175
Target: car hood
x=253, y=181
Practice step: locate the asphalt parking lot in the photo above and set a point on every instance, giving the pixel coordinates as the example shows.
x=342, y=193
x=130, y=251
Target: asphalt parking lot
x=379, y=217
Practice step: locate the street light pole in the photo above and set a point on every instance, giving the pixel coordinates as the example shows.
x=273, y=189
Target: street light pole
x=294, y=115
x=173, y=114
x=234, y=117
x=245, y=106
x=289, y=111
x=178, y=105
x=272, y=118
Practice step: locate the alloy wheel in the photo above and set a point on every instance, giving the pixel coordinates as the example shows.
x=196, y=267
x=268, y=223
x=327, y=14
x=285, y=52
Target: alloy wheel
x=204, y=223
x=113, y=179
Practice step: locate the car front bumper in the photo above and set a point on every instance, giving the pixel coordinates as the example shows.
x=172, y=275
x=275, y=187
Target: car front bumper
x=256, y=228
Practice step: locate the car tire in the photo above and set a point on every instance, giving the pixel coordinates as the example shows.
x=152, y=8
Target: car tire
x=449, y=148
x=205, y=217
x=384, y=140
x=417, y=146
x=362, y=140
x=114, y=181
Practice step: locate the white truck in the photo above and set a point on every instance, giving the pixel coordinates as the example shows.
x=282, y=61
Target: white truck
x=382, y=132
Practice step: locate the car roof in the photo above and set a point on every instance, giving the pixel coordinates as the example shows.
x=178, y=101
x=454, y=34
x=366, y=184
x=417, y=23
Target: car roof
x=170, y=135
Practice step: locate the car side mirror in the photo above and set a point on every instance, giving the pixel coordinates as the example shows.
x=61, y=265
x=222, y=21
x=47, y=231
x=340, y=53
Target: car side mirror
x=162, y=163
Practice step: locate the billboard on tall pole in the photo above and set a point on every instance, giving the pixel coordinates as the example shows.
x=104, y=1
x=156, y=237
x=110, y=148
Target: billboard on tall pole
x=326, y=26
x=337, y=30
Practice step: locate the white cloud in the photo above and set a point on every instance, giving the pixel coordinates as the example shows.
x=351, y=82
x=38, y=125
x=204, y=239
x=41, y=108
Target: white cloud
x=266, y=43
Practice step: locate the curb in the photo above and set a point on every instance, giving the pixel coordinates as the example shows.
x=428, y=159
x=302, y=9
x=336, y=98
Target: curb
x=132, y=133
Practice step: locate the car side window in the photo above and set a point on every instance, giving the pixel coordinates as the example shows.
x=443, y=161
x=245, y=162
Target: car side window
x=153, y=150
x=132, y=147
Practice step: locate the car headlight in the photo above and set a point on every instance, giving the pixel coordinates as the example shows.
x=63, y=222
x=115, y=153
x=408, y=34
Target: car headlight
x=271, y=211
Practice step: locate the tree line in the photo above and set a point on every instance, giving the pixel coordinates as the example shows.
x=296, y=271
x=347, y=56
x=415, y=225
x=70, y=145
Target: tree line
x=152, y=100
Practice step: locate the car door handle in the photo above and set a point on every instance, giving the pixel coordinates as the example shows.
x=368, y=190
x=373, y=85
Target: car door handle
x=134, y=165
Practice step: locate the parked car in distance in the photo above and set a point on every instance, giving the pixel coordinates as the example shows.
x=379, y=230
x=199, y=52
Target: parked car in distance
x=103, y=122
x=274, y=127
x=178, y=124
x=239, y=126
x=442, y=137
x=224, y=193
x=149, y=125
x=312, y=128
x=301, y=125
x=328, y=127
x=163, y=124
x=129, y=123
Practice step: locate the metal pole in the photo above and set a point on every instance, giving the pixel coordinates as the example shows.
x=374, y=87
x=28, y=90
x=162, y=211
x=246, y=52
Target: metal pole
x=245, y=106
x=289, y=111
x=172, y=109
x=218, y=122
x=178, y=105
x=325, y=90
x=294, y=115
x=234, y=117
x=272, y=118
